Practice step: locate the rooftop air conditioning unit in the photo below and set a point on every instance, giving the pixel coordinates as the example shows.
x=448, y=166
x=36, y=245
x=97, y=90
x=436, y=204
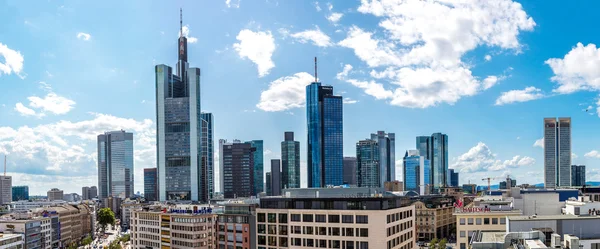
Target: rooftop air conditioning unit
x=555, y=241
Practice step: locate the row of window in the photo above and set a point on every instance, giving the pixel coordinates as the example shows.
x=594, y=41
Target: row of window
x=393, y=243
x=321, y=243
x=399, y=227
x=330, y=231
x=399, y=216
x=400, y=239
x=484, y=221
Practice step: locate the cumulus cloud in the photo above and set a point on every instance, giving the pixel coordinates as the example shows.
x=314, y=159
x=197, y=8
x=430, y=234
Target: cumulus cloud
x=186, y=32
x=370, y=87
x=539, y=143
x=257, y=47
x=335, y=17
x=51, y=103
x=316, y=36
x=480, y=158
x=512, y=96
x=317, y=6
x=571, y=75
x=423, y=43
x=83, y=36
x=349, y=101
x=488, y=57
x=12, y=61
x=23, y=110
x=285, y=93
x=592, y=154
x=233, y=4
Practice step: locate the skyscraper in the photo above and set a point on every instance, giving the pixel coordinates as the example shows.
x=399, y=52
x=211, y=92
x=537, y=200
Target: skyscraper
x=577, y=175
x=88, y=193
x=258, y=165
x=150, y=184
x=237, y=161
x=350, y=170
x=557, y=152
x=435, y=149
x=20, y=193
x=178, y=129
x=325, y=136
x=290, y=161
x=387, y=155
x=417, y=172
x=268, y=184
x=367, y=164
x=275, y=177
x=115, y=164
x=452, y=178
x=208, y=156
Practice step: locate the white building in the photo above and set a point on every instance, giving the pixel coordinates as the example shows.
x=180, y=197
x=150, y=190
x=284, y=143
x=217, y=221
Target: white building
x=583, y=206
x=12, y=241
x=19, y=206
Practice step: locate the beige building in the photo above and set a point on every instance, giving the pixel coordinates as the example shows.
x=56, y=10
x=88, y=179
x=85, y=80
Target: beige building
x=76, y=222
x=350, y=218
x=485, y=214
x=181, y=226
x=434, y=218
x=395, y=186
x=55, y=194
x=12, y=241
x=5, y=189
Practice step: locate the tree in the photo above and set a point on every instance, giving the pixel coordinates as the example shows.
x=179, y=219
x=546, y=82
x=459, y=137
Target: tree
x=88, y=240
x=433, y=243
x=106, y=217
x=125, y=238
x=442, y=243
x=115, y=245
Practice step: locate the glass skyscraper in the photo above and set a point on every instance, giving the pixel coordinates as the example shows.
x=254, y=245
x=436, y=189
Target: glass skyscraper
x=236, y=162
x=178, y=129
x=350, y=171
x=577, y=176
x=452, y=178
x=150, y=184
x=258, y=165
x=324, y=115
x=387, y=156
x=20, y=193
x=417, y=172
x=367, y=164
x=435, y=149
x=208, y=156
x=115, y=164
x=557, y=152
x=290, y=162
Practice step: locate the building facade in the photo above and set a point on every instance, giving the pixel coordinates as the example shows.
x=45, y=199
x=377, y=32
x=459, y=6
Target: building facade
x=179, y=129
x=20, y=193
x=12, y=241
x=435, y=149
x=268, y=184
x=115, y=164
x=452, y=178
x=236, y=226
x=275, y=177
x=208, y=155
x=577, y=175
x=324, y=115
x=387, y=155
x=417, y=172
x=367, y=163
x=237, y=162
x=150, y=184
x=290, y=161
x=557, y=152
x=350, y=177
x=5, y=189
x=434, y=218
x=55, y=194
x=88, y=193
x=258, y=165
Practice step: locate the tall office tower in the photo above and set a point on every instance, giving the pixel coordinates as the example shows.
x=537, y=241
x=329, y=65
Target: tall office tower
x=350, y=170
x=417, y=172
x=258, y=165
x=367, y=164
x=178, y=129
x=20, y=193
x=435, y=149
x=557, y=152
x=325, y=136
x=150, y=184
x=452, y=178
x=84, y=193
x=577, y=175
x=208, y=156
x=275, y=177
x=115, y=164
x=93, y=192
x=55, y=194
x=387, y=156
x=237, y=160
x=290, y=161
x=268, y=184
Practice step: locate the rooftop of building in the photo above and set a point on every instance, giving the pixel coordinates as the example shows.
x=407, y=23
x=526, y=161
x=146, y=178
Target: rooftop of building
x=4, y=236
x=553, y=217
x=493, y=236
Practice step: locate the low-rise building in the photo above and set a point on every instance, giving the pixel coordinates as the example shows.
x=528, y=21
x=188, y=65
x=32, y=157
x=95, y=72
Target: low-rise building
x=33, y=228
x=434, y=218
x=12, y=241
x=21, y=206
x=504, y=240
x=236, y=225
x=75, y=222
x=335, y=218
x=55, y=194
x=126, y=209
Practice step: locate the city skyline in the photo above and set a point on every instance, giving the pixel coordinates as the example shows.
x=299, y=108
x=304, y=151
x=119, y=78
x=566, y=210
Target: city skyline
x=54, y=64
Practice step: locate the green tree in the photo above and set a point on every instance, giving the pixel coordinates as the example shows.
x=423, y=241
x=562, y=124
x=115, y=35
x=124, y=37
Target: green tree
x=433, y=243
x=125, y=238
x=106, y=217
x=115, y=245
x=442, y=243
x=88, y=240
x=72, y=246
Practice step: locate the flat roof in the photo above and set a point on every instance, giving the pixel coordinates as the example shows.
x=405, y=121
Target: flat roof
x=535, y=244
x=492, y=236
x=554, y=217
x=508, y=212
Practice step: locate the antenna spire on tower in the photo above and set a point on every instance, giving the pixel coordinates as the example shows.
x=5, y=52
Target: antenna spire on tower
x=315, y=69
x=180, y=22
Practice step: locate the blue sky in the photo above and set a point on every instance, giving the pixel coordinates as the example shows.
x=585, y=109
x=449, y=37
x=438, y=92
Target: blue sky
x=484, y=72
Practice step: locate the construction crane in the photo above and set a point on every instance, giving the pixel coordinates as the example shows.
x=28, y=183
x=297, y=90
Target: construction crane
x=489, y=181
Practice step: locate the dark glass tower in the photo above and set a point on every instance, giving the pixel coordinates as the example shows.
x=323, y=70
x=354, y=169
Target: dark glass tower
x=20, y=193
x=435, y=149
x=208, y=156
x=324, y=115
x=290, y=162
x=150, y=184
x=350, y=170
x=115, y=164
x=367, y=161
x=577, y=176
x=258, y=165
x=237, y=164
x=275, y=177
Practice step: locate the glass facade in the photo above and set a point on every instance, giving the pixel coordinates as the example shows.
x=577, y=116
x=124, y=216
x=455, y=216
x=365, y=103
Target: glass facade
x=150, y=184
x=350, y=171
x=258, y=166
x=557, y=152
x=115, y=164
x=435, y=149
x=20, y=193
x=237, y=160
x=367, y=161
x=411, y=173
x=577, y=176
x=387, y=156
x=290, y=162
x=208, y=165
x=324, y=113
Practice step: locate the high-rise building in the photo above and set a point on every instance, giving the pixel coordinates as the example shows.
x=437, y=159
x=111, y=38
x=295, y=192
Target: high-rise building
x=84, y=193
x=577, y=175
x=417, y=172
x=5, y=189
x=237, y=161
x=268, y=184
x=557, y=152
x=508, y=184
x=93, y=192
x=324, y=116
x=290, y=161
x=350, y=170
x=258, y=165
x=20, y=193
x=179, y=130
x=452, y=178
x=387, y=155
x=367, y=164
x=275, y=177
x=435, y=149
x=208, y=156
x=150, y=184
x=55, y=194
x=115, y=164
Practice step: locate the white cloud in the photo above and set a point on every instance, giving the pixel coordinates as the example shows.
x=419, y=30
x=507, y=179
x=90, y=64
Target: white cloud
x=13, y=61
x=480, y=158
x=598, y=108
x=258, y=47
x=572, y=75
x=592, y=154
x=349, y=101
x=52, y=103
x=186, y=32
x=234, y=4
x=316, y=36
x=574, y=156
x=423, y=44
x=527, y=94
x=317, y=6
x=268, y=152
x=370, y=87
x=539, y=143
x=488, y=57
x=83, y=36
x=23, y=110
x=335, y=17
x=285, y=93
x=489, y=82
x=329, y=6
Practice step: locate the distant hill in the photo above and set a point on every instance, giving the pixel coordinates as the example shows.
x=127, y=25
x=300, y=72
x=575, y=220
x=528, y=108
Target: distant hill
x=593, y=183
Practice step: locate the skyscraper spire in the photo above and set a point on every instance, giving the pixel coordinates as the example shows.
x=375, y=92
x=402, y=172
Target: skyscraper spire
x=180, y=22
x=315, y=69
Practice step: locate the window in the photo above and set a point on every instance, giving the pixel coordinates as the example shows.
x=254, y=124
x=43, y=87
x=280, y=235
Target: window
x=296, y=242
x=503, y=220
x=272, y=229
x=283, y=230
x=335, y=244
x=308, y=230
x=307, y=218
x=349, y=218
x=272, y=241
x=462, y=221
x=283, y=218
x=364, y=232
x=349, y=232
x=261, y=229
x=334, y=218
x=362, y=219
x=272, y=218
x=320, y=218
x=364, y=245
x=463, y=234
x=470, y=221
x=295, y=217
x=323, y=243
x=283, y=241
x=463, y=246
x=261, y=217
x=478, y=221
x=321, y=231
x=486, y=221
x=335, y=231
x=296, y=229
x=309, y=243
x=494, y=221
x=262, y=240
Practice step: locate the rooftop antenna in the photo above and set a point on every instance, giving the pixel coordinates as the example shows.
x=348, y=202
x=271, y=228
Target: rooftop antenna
x=315, y=69
x=180, y=22
x=4, y=165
